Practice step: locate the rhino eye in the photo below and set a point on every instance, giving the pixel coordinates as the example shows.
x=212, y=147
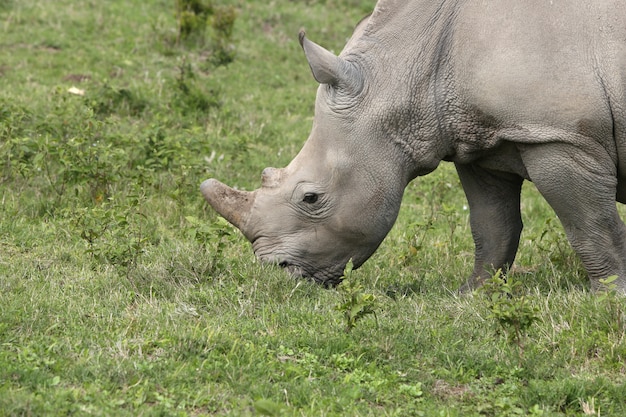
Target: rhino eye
x=310, y=198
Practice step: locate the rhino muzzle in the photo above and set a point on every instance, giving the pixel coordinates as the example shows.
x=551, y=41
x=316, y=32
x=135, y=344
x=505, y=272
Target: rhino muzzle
x=247, y=211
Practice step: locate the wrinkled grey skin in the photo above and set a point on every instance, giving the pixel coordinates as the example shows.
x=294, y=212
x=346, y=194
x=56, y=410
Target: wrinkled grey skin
x=505, y=89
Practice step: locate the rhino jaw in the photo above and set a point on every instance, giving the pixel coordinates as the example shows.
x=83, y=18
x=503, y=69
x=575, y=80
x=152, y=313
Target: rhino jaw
x=234, y=205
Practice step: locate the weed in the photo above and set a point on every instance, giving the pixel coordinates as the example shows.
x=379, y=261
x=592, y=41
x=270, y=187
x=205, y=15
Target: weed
x=108, y=100
x=355, y=303
x=212, y=237
x=192, y=18
x=452, y=217
x=417, y=233
x=188, y=96
x=114, y=233
x=195, y=17
x=17, y=155
x=553, y=237
x=15, y=149
x=514, y=313
x=222, y=23
x=76, y=161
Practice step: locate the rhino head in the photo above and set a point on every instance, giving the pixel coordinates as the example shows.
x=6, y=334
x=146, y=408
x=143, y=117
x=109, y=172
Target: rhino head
x=339, y=197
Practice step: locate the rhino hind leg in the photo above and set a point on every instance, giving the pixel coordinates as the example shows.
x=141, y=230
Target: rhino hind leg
x=580, y=185
x=495, y=219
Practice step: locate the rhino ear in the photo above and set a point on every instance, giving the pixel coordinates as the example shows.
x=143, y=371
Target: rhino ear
x=328, y=68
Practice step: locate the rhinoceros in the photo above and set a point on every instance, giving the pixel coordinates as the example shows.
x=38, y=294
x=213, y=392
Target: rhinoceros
x=507, y=90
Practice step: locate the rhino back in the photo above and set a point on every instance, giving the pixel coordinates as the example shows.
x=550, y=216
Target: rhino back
x=502, y=70
x=554, y=63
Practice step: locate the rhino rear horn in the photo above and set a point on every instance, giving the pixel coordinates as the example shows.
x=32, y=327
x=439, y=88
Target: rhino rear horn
x=328, y=68
x=234, y=205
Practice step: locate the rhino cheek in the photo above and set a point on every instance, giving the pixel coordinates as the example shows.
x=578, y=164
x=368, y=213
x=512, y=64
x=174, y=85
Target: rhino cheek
x=266, y=250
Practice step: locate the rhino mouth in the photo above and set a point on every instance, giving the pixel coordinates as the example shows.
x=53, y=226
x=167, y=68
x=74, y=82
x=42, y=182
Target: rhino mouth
x=293, y=270
x=329, y=277
x=299, y=272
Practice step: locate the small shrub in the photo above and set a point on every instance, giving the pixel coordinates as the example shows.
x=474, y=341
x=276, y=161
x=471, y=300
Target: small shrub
x=59, y=160
x=114, y=233
x=223, y=23
x=355, y=303
x=192, y=18
x=195, y=17
x=188, y=97
x=212, y=237
x=553, y=243
x=16, y=148
x=514, y=313
x=109, y=100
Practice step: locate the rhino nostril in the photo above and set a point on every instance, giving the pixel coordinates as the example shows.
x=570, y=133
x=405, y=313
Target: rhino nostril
x=283, y=264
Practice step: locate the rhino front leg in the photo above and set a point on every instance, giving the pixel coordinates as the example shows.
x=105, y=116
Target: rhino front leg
x=580, y=185
x=494, y=203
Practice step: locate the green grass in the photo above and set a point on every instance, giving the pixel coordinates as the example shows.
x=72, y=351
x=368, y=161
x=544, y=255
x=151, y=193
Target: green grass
x=122, y=293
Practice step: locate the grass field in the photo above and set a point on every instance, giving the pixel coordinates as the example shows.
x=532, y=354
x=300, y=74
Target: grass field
x=123, y=293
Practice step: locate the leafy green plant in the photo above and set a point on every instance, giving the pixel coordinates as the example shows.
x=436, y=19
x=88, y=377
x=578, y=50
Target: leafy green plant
x=17, y=155
x=212, y=237
x=81, y=161
x=192, y=18
x=195, y=17
x=16, y=149
x=416, y=233
x=188, y=96
x=107, y=100
x=513, y=311
x=553, y=242
x=452, y=218
x=355, y=303
x=114, y=233
x=223, y=21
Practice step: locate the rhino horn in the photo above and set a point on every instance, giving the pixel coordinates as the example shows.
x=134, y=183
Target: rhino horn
x=328, y=68
x=234, y=205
